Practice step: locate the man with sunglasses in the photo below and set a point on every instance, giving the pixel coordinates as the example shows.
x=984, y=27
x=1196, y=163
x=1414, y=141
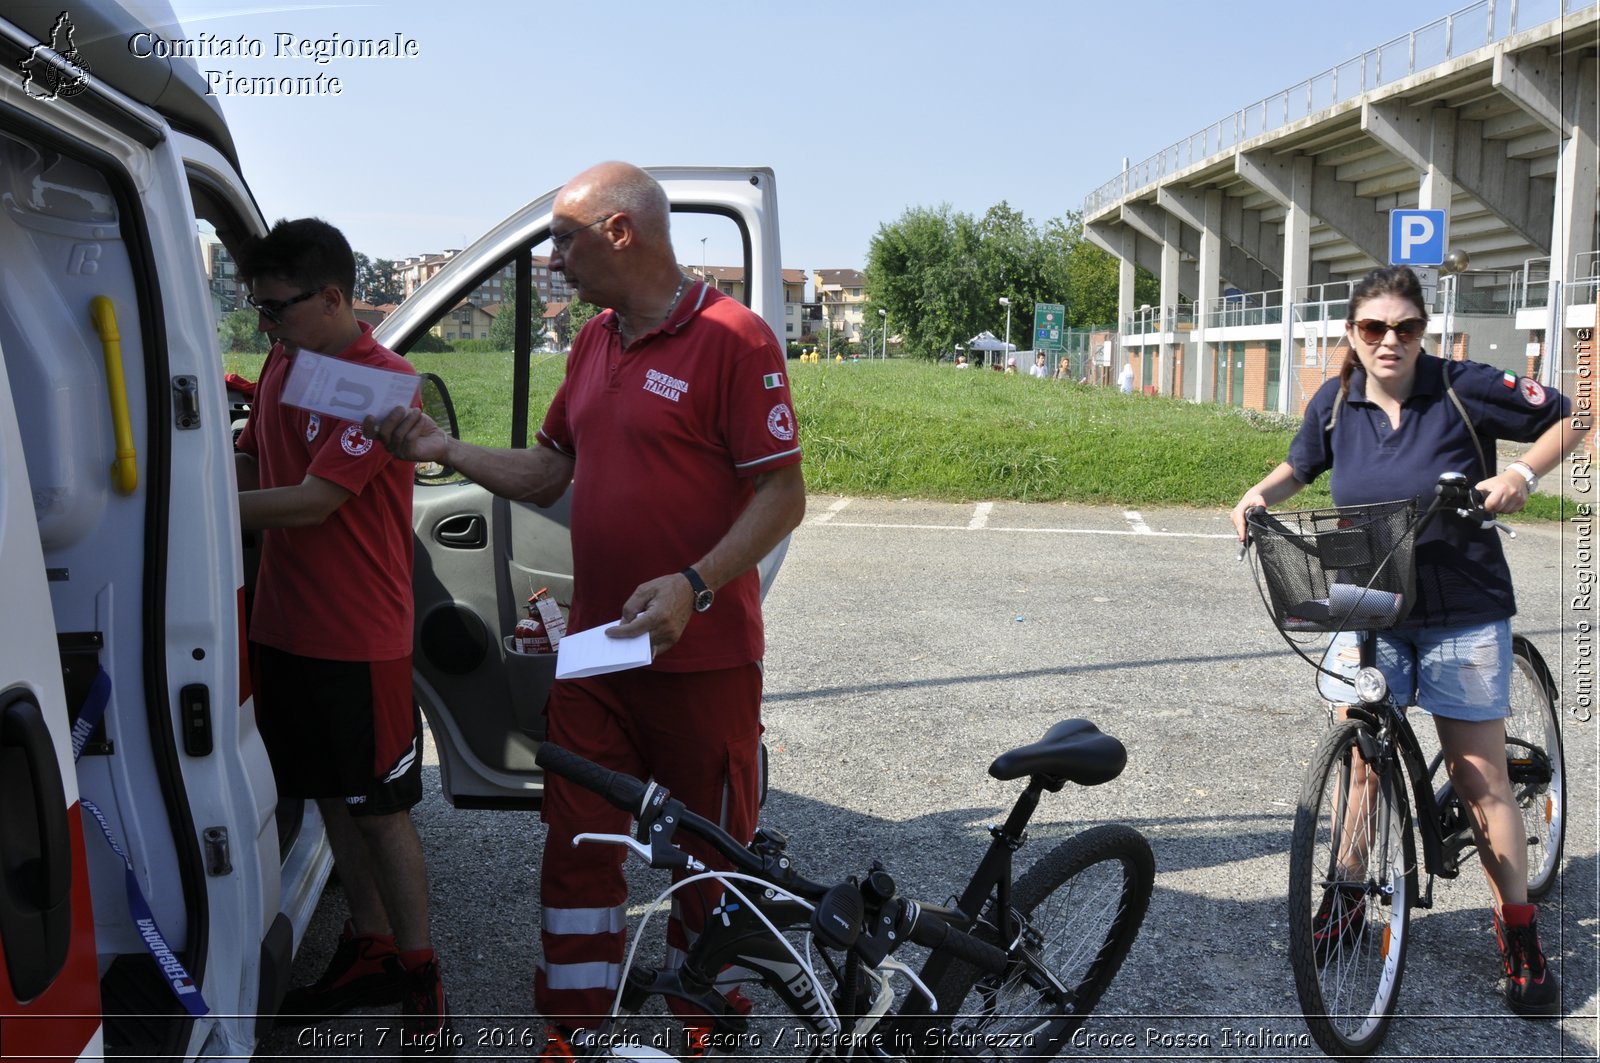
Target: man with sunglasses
x=330, y=632
x=1391, y=422
x=675, y=429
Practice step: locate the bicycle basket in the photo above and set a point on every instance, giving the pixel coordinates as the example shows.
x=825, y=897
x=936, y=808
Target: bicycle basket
x=1349, y=568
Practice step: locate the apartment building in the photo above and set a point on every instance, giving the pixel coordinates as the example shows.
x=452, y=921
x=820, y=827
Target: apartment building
x=840, y=293
x=552, y=285
x=729, y=280
x=222, y=276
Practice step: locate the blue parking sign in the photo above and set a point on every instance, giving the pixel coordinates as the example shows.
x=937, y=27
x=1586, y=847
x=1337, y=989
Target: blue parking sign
x=1416, y=237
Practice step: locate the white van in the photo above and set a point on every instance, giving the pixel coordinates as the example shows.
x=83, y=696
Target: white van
x=123, y=574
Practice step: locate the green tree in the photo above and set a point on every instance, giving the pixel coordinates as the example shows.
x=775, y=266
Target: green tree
x=940, y=274
x=503, y=330
x=363, y=276
x=386, y=285
x=578, y=314
x=238, y=332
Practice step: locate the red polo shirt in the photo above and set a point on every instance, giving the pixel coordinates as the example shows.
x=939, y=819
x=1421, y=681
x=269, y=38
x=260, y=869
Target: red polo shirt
x=666, y=437
x=340, y=591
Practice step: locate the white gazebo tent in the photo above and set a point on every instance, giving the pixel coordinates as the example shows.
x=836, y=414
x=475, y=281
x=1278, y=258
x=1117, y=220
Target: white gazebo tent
x=987, y=341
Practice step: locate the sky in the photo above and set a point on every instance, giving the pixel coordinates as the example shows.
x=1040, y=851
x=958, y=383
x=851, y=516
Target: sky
x=863, y=109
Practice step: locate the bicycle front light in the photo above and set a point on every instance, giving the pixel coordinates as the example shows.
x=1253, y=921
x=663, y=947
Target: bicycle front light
x=1370, y=686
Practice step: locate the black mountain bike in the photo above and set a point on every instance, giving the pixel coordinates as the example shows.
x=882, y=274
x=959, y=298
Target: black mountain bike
x=1353, y=869
x=1013, y=968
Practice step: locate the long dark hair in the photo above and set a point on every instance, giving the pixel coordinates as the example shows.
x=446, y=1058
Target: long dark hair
x=1398, y=281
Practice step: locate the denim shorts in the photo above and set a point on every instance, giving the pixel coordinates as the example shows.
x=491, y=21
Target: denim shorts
x=1460, y=673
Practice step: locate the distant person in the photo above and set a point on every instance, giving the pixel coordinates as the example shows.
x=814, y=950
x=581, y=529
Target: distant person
x=1125, y=378
x=1386, y=427
x=1039, y=371
x=1063, y=370
x=1011, y=365
x=961, y=361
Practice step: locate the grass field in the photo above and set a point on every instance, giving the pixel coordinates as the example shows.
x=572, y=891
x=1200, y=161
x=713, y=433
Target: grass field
x=913, y=430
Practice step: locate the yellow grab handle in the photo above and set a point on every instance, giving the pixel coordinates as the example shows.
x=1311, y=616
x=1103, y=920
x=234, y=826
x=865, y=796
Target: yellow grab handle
x=125, y=470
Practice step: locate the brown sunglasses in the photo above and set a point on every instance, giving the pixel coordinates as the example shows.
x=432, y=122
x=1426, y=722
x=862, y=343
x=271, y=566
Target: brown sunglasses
x=1373, y=331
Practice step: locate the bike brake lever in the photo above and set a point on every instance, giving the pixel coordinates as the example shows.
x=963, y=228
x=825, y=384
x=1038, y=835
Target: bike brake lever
x=1487, y=521
x=644, y=852
x=889, y=963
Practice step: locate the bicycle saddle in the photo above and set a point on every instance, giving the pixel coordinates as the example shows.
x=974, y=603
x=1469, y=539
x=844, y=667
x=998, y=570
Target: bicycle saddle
x=1074, y=750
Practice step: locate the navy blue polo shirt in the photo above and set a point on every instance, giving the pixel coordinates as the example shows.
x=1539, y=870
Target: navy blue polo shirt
x=1462, y=576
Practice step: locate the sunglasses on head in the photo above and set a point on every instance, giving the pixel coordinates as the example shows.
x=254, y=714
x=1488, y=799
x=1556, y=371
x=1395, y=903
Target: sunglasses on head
x=1372, y=331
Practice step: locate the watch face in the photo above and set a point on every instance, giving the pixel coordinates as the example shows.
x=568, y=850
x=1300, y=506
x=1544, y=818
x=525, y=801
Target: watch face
x=702, y=601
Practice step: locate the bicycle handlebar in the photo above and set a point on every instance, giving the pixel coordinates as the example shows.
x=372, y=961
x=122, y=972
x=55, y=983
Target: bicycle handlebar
x=1451, y=492
x=620, y=790
x=930, y=930
x=646, y=802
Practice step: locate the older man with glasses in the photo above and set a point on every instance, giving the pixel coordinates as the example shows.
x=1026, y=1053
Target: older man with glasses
x=675, y=429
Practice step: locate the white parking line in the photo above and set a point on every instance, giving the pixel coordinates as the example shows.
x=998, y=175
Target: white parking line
x=980, y=516
x=1136, y=522
x=1148, y=532
x=833, y=511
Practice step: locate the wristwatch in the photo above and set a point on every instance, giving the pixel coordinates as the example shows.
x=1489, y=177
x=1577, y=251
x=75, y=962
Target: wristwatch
x=703, y=595
x=1524, y=470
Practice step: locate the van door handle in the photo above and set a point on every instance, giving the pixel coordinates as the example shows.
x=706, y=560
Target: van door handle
x=36, y=917
x=466, y=531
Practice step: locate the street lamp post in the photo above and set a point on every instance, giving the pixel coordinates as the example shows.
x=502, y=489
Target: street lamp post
x=702, y=258
x=885, y=350
x=1007, y=304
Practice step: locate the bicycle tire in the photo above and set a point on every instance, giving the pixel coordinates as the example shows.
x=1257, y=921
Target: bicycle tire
x=1349, y=980
x=1538, y=775
x=1081, y=905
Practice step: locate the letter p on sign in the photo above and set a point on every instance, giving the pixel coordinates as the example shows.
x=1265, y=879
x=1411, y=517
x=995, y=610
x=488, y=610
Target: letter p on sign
x=1416, y=237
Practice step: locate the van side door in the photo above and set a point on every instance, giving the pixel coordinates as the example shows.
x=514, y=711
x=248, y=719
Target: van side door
x=49, y=981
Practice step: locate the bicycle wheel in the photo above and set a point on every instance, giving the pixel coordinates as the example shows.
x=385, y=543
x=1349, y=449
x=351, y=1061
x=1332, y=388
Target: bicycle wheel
x=1349, y=895
x=1080, y=905
x=1535, y=762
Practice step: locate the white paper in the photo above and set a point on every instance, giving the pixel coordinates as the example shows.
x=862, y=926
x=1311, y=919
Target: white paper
x=344, y=389
x=593, y=652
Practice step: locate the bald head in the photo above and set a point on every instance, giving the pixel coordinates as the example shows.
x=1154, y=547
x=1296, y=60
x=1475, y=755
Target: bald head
x=612, y=187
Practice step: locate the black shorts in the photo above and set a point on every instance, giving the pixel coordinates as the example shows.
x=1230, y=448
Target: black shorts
x=348, y=729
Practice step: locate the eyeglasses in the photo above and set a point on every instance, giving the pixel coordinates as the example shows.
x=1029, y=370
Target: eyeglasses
x=272, y=309
x=1405, y=331
x=559, y=241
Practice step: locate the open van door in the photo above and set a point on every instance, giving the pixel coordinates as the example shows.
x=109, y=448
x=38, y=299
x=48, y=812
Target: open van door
x=49, y=981
x=479, y=557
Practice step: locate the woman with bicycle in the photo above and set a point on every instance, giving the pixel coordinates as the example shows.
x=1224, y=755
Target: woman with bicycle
x=1387, y=426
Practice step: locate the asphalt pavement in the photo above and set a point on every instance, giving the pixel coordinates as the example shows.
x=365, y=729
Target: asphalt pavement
x=911, y=642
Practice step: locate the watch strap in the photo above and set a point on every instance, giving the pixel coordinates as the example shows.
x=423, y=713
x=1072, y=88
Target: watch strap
x=695, y=582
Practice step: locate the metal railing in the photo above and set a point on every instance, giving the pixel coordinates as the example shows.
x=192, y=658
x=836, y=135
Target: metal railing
x=1440, y=41
x=1245, y=308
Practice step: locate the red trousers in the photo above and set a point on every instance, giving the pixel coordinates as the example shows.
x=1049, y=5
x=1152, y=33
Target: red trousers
x=696, y=733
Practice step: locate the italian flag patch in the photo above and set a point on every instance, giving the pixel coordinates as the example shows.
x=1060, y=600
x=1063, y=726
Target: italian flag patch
x=772, y=380
x=1509, y=380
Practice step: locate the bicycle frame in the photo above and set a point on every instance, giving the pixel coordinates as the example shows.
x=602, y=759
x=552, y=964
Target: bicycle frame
x=994, y=875
x=1391, y=730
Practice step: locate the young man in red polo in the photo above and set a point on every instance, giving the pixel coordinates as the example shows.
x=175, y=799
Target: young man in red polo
x=330, y=632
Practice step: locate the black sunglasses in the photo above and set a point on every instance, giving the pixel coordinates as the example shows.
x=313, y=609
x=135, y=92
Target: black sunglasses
x=1373, y=331
x=272, y=309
